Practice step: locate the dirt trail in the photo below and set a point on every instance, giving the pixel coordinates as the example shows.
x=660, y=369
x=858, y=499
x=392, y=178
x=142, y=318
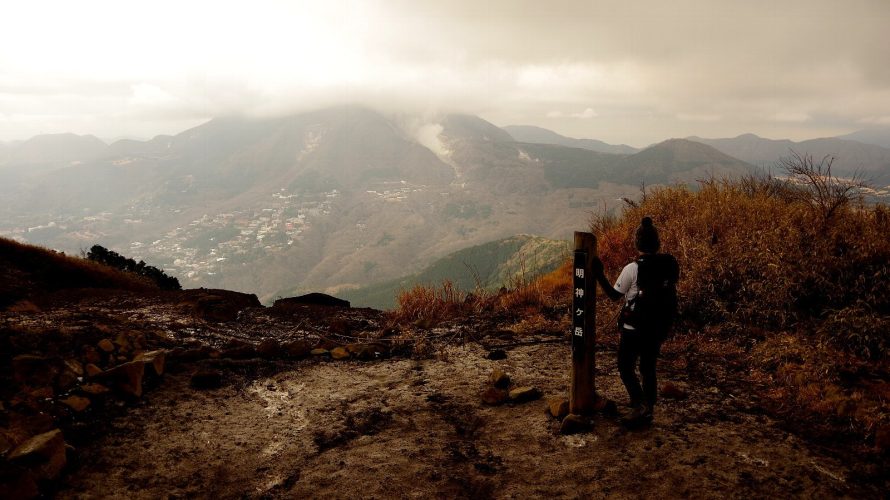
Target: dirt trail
x=405, y=428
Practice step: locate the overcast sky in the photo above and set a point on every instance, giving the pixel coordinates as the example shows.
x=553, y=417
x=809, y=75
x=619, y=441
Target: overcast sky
x=622, y=71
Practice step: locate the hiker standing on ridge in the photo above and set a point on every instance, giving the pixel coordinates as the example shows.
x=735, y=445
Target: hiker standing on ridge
x=648, y=285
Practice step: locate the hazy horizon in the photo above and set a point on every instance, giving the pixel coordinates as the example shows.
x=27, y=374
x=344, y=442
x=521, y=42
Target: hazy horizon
x=633, y=74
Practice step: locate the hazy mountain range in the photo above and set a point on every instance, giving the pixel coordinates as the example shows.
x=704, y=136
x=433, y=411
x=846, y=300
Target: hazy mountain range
x=335, y=199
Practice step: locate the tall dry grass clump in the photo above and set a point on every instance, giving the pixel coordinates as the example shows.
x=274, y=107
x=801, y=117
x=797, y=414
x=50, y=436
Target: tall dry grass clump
x=796, y=271
x=762, y=252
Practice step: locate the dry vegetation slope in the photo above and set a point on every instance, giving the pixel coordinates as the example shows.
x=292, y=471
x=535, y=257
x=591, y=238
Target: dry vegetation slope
x=793, y=274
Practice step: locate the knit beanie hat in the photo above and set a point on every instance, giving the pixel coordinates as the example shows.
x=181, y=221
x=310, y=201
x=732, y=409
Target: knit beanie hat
x=647, y=237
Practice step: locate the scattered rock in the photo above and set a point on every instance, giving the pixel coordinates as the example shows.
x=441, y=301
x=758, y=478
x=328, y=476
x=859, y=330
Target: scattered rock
x=44, y=454
x=94, y=389
x=76, y=403
x=154, y=361
x=494, y=396
x=574, y=424
x=297, y=349
x=42, y=393
x=558, y=407
x=126, y=377
x=498, y=378
x=339, y=353
x=123, y=342
x=189, y=355
x=93, y=370
x=91, y=355
x=365, y=352
x=312, y=299
x=35, y=370
x=670, y=390
x=218, y=305
x=74, y=366
x=237, y=349
x=269, y=348
x=496, y=354
x=206, y=378
x=524, y=394
x=106, y=345
x=319, y=352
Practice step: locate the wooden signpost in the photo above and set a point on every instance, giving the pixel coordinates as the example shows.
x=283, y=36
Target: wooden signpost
x=582, y=395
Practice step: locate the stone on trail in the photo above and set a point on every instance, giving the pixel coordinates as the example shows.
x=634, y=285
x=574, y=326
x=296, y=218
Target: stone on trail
x=153, y=360
x=106, y=345
x=126, y=377
x=76, y=403
x=269, y=348
x=365, y=352
x=524, y=394
x=319, y=352
x=35, y=370
x=498, y=378
x=93, y=370
x=670, y=390
x=574, y=424
x=94, y=389
x=496, y=354
x=339, y=353
x=297, y=349
x=558, y=407
x=206, y=378
x=44, y=454
x=494, y=396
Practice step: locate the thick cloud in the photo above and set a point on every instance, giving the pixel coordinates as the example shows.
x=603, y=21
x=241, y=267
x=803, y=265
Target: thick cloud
x=633, y=72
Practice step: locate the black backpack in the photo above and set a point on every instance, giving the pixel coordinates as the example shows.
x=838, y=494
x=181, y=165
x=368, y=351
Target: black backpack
x=655, y=306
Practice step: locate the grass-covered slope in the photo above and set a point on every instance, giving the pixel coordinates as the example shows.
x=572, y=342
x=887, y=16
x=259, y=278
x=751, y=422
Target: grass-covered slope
x=28, y=270
x=488, y=266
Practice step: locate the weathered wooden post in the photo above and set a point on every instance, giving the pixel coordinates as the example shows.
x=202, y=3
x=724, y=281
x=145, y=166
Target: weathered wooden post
x=582, y=395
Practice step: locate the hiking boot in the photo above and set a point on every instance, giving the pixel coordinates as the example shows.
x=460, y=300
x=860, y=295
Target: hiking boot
x=641, y=415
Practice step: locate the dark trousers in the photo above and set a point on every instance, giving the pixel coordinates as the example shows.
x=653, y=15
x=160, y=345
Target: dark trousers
x=636, y=345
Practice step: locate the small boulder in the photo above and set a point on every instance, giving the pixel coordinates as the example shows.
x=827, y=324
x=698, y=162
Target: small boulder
x=94, y=389
x=269, y=349
x=365, y=352
x=494, y=396
x=574, y=424
x=238, y=349
x=339, y=353
x=35, y=370
x=670, y=390
x=319, y=352
x=297, y=349
x=558, y=407
x=496, y=354
x=154, y=361
x=93, y=370
x=44, y=454
x=74, y=366
x=106, y=345
x=524, y=394
x=126, y=377
x=123, y=343
x=311, y=299
x=42, y=393
x=91, y=355
x=206, y=378
x=498, y=378
x=76, y=403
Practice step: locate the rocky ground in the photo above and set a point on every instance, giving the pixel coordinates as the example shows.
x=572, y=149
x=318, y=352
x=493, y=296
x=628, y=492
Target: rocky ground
x=331, y=402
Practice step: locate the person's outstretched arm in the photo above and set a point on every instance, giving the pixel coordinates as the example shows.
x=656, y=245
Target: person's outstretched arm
x=600, y=276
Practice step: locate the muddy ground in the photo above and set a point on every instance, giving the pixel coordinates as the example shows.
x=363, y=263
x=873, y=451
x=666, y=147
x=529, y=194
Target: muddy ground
x=417, y=429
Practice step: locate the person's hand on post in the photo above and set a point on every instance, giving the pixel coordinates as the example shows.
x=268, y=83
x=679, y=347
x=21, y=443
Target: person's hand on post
x=597, y=267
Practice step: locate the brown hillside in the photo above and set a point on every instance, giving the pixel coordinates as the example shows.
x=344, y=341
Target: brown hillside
x=27, y=271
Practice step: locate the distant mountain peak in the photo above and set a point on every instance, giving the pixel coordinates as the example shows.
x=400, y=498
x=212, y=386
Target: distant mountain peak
x=538, y=135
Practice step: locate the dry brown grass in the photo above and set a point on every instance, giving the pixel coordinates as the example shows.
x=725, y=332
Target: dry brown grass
x=26, y=270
